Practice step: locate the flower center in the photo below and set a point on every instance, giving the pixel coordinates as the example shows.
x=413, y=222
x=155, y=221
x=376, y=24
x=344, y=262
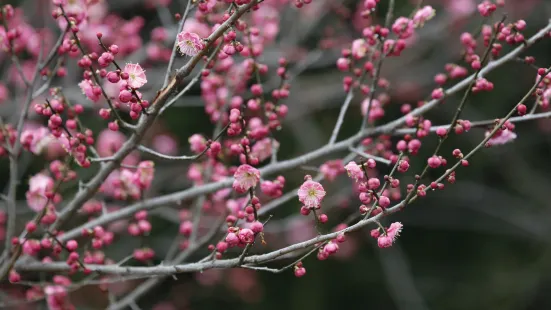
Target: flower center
x=132, y=76
x=312, y=192
x=190, y=43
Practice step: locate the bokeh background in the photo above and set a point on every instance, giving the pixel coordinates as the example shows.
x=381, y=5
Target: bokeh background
x=482, y=243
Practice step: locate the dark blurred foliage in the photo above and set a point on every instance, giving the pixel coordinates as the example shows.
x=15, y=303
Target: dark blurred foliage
x=482, y=243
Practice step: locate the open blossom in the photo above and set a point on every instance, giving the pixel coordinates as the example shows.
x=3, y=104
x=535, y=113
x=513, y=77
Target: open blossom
x=331, y=169
x=144, y=174
x=359, y=48
x=461, y=8
x=136, y=75
x=88, y=90
x=128, y=186
x=63, y=140
x=501, y=137
x=423, y=15
x=354, y=171
x=392, y=233
x=262, y=149
x=189, y=43
x=39, y=186
x=246, y=177
x=311, y=193
x=375, y=111
x=403, y=27
x=57, y=298
x=197, y=143
x=192, y=25
x=165, y=144
x=36, y=139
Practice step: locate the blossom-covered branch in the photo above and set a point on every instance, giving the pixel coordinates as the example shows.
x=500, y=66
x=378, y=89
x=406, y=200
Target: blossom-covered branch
x=110, y=161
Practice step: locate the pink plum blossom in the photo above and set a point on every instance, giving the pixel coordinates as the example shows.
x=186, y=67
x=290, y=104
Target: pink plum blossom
x=354, y=171
x=88, y=89
x=128, y=188
x=423, y=15
x=246, y=177
x=136, y=75
x=501, y=137
x=403, y=27
x=311, y=193
x=192, y=25
x=331, y=169
x=262, y=149
x=461, y=8
x=57, y=298
x=359, y=48
x=189, y=43
x=197, y=143
x=387, y=239
x=165, y=144
x=39, y=185
x=36, y=140
x=144, y=174
x=109, y=142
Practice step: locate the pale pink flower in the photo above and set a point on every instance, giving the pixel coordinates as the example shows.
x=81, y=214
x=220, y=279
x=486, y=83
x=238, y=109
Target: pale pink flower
x=461, y=8
x=359, y=48
x=354, y=171
x=311, y=193
x=331, y=169
x=387, y=239
x=109, y=186
x=113, y=89
x=144, y=174
x=273, y=188
x=136, y=74
x=63, y=140
x=384, y=241
x=235, y=205
x=262, y=149
x=165, y=144
x=501, y=137
x=403, y=27
x=36, y=139
x=88, y=90
x=128, y=186
x=75, y=9
x=423, y=15
x=394, y=230
x=197, y=143
x=246, y=177
x=97, y=10
x=109, y=142
x=195, y=173
x=192, y=25
x=267, y=18
x=221, y=195
x=375, y=104
x=39, y=185
x=57, y=298
x=36, y=40
x=189, y=43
